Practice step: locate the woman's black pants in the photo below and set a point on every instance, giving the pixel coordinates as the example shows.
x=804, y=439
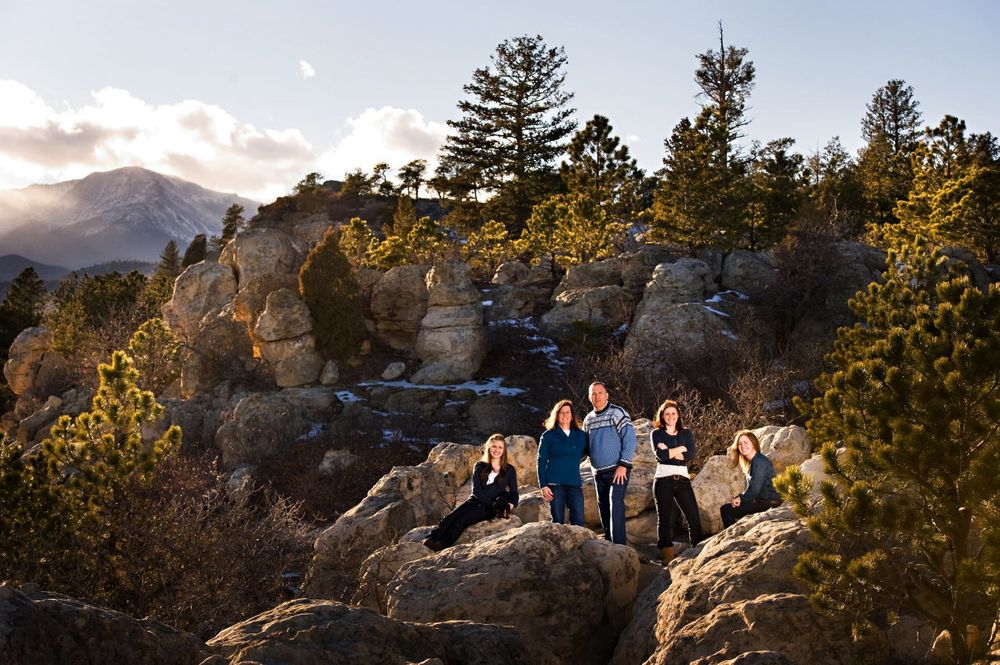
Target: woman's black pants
x=730, y=514
x=670, y=494
x=457, y=521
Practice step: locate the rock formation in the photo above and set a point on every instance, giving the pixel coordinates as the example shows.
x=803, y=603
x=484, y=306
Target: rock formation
x=450, y=342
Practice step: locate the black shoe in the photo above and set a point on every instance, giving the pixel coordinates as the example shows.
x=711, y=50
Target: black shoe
x=435, y=545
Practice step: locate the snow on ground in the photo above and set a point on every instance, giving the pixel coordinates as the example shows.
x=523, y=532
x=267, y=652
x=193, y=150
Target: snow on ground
x=718, y=297
x=493, y=385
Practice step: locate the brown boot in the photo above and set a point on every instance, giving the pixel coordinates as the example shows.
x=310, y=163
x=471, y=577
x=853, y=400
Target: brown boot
x=667, y=553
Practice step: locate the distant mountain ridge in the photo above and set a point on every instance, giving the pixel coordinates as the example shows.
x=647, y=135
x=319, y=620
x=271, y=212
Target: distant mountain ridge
x=12, y=265
x=128, y=213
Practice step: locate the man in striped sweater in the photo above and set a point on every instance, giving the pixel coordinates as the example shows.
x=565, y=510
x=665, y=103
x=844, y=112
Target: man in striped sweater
x=612, y=447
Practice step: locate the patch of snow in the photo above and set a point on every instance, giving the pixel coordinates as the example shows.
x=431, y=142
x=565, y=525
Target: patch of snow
x=730, y=335
x=347, y=397
x=314, y=431
x=493, y=385
x=487, y=303
x=716, y=311
x=719, y=297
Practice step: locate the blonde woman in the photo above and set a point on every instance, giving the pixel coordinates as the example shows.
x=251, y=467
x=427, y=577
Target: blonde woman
x=494, y=494
x=759, y=494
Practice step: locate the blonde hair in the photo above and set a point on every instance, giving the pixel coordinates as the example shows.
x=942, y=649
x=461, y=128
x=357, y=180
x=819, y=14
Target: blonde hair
x=486, y=455
x=553, y=420
x=734, y=450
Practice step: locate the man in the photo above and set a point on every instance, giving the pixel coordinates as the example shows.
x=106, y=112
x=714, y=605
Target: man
x=612, y=447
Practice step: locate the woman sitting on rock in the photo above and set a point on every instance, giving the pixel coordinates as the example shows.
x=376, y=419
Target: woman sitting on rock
x=494, y=494
x=673, y=446
x=562, y=446
x=759, y=494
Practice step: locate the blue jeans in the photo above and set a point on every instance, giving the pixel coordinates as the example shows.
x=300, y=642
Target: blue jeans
x=611, y=504
x=567, y=496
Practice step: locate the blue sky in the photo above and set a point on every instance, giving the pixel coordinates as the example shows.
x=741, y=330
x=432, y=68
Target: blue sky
x=221, y=92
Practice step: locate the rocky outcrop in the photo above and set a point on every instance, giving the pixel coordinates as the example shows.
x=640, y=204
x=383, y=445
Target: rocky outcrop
x=688, y=328
x=284, y=336
x=314, y=632
x=734, y=595
x=638, y=267
x=521, y=578
x=405, y=498
x=603, y=308
x=202, y=289
x=450, y=343
x=219, y=349
x=262, y=425
x=510, y=272
x=39, y=628
x=398, y=304
x=752, y=273
x=590, y=275
x=31, y=361
x=495, y=413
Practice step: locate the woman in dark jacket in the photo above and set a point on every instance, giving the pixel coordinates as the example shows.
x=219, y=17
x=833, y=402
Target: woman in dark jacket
x=494, y=493
x=759, y=494
x=674, y=448
x=562, y=446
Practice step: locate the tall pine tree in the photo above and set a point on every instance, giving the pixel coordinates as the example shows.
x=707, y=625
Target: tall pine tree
x=514, y=124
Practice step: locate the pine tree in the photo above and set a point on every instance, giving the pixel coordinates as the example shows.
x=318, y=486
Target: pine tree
x=908, y=515
x=514, y=123
x=380, y=179
x=426, y=241
x=411, y=176
x=726, y=79
x=196, y=251
x=156, y=354
x=487, y=247
x=21, y=307
x=571, y=229
x=834, y=187
x=955, y=196
x=232, y=223
x=160, y=287
x=391, y=252
x=55, y=501
x=356, y=240
x=330, y=289
x=403, y=218
x=775, y=181
x=600, y=168
x=891, y=128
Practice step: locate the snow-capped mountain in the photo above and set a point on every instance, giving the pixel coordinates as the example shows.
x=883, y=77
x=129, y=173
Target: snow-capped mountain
x=128, y=213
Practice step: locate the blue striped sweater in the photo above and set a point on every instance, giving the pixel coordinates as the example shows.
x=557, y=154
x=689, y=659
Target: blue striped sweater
x=612, y=438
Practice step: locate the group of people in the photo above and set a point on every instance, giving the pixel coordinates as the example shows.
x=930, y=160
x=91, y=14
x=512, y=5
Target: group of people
x=607, y=437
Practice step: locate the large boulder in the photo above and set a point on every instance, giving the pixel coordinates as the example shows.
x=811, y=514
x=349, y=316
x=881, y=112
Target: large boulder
x=398, y=304
x=495, y=413
x=39, y=628
x=262, y=425
x=685, y=280
x=314, y=632
x=599, y=307
x=202, y=288
x=589, y=275
x=560, y=586
x=752, y=273
x=511, y=272
x=689, y=328
x=733, y=595
x=717, y=483
x=638, y=267
x=285, y=316
x=784, y=446
x=25, y=359
x=404, y=498
x=258, y=253
x=451, y=342
x=220, y=345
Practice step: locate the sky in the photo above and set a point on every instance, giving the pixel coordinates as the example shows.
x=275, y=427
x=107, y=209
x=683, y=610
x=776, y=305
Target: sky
x=248, y=96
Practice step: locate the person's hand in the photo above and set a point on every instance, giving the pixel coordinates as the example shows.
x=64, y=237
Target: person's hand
x=683, y=449
x=661, y=446
x=736, y=502
x=547, y=494
x=621, y=473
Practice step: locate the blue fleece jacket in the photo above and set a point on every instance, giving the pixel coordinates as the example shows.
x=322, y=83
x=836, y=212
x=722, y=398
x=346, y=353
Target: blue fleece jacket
x=759, y=486
x=611, y=438
x=559, y=456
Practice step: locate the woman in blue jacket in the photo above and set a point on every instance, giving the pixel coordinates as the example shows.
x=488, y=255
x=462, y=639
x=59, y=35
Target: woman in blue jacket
x=759, y=494
x=494, y=494
x=562, y=446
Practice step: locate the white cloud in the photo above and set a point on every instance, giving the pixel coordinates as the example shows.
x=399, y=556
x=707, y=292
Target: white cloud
x=193, y=140
x=632, y=139
x=306, y=69
x=189, y=139
x=388, y=134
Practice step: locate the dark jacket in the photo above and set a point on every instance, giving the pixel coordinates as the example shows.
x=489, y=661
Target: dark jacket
x=505, y=485
x=559, y=457
x=759, y=487
x=684, y=437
